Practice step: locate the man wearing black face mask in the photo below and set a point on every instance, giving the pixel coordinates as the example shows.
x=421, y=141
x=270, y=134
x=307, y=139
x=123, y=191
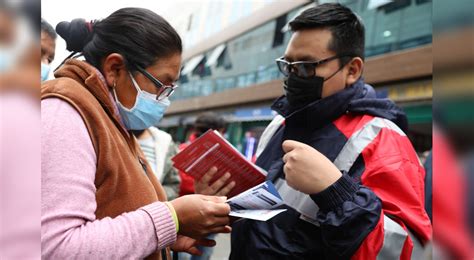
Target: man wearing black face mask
x=338, y=156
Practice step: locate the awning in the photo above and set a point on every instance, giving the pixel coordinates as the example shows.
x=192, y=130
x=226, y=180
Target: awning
x=169, y=122
x=192, y=64
x=215, y=55
x=419, y=114
x=252, y=114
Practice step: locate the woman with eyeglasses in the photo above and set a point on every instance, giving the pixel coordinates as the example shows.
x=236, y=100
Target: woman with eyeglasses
x=99, y=196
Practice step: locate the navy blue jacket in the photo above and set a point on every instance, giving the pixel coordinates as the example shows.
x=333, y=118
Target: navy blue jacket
x=348, y=211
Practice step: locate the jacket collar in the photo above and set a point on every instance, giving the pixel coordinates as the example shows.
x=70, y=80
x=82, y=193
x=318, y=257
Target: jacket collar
x=319, y=112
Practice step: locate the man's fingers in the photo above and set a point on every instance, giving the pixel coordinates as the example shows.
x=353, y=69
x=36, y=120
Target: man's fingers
x=290, y=145
x=285, y=157
x=218, y=184
x=286, y=169
x=206, y=178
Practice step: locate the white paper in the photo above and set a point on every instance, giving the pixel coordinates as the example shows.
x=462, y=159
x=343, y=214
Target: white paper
x=259, y=202
x=257, y=214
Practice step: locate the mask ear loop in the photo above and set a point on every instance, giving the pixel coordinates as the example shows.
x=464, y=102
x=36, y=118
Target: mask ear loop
x=136, y=99
x=340, y=68
x=140, y=91
x=134, y=82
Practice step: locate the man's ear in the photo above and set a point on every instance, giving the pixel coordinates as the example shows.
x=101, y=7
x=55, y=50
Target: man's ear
x=354, y=70
x=111, y=67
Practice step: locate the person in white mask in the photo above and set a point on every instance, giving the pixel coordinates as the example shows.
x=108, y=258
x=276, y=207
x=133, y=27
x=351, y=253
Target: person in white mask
x=19, y=54
x=48, y=48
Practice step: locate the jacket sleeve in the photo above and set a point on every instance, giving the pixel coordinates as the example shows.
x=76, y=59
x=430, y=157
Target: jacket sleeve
x=384, y=215
x=348, y=212
x=404, y=227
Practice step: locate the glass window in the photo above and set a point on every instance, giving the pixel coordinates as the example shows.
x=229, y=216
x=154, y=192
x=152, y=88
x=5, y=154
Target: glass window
x=278, y=35
x=249, y=58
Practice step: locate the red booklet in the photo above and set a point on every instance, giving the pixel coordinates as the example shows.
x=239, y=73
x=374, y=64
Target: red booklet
x=211, y=149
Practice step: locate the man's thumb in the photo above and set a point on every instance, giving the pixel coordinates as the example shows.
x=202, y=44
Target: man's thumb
x=290, y=145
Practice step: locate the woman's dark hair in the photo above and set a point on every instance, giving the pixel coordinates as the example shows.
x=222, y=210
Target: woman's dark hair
x=138, y=34
x=48, y=29
x=348, y=33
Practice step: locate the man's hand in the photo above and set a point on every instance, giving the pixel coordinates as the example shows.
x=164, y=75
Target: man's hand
x=189, y=245
x=306, y=169
x=219, y=188
x=200, y=215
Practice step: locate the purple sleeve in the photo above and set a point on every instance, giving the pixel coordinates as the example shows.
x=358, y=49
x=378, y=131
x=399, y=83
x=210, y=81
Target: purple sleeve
x=69, y=226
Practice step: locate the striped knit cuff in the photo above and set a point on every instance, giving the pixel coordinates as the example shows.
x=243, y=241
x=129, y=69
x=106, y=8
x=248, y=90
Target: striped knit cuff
x=333, y=196
x=165, y=227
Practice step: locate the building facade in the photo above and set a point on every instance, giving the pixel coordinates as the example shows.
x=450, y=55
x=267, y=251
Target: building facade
x=230, y=68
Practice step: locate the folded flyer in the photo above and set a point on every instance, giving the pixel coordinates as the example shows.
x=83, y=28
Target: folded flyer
x=261, y=203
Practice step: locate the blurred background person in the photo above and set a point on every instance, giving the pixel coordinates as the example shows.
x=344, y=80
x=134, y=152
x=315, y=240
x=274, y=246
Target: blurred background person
x=20, y=177
x=19, y=52
x=48, y=48
x=158, y=148
x=249, y=146
x=204, y=122
x=453, y=139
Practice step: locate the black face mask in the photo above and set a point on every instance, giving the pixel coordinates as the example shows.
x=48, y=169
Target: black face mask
x=301, y=91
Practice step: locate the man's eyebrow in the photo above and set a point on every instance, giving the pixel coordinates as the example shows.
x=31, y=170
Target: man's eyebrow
x=301, y=58
x=307, y=58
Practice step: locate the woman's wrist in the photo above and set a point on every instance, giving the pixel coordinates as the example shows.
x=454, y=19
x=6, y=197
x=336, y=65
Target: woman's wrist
x=173, y=215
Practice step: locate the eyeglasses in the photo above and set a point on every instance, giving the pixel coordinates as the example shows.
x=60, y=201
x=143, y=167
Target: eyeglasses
x=302, y=69
x=164, y=91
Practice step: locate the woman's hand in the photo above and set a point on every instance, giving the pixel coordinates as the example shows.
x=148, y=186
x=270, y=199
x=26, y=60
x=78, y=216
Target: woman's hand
x=200, y=215
x=220, y=187
x=189, y=245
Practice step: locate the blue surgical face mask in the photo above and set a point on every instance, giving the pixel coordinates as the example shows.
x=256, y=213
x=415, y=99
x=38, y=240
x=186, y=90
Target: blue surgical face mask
x=45, y=68
x=146, y=112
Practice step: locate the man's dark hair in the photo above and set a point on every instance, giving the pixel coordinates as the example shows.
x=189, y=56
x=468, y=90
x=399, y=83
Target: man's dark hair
x=208, y=120
x=48, y=29
x=348, y=33
x=138, y=34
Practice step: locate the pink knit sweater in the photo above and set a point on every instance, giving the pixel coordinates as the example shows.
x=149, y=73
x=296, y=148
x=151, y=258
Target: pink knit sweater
x=69, y=228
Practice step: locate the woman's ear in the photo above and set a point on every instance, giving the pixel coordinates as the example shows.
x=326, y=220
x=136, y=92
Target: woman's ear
x=355, y=68
x=112, y=66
